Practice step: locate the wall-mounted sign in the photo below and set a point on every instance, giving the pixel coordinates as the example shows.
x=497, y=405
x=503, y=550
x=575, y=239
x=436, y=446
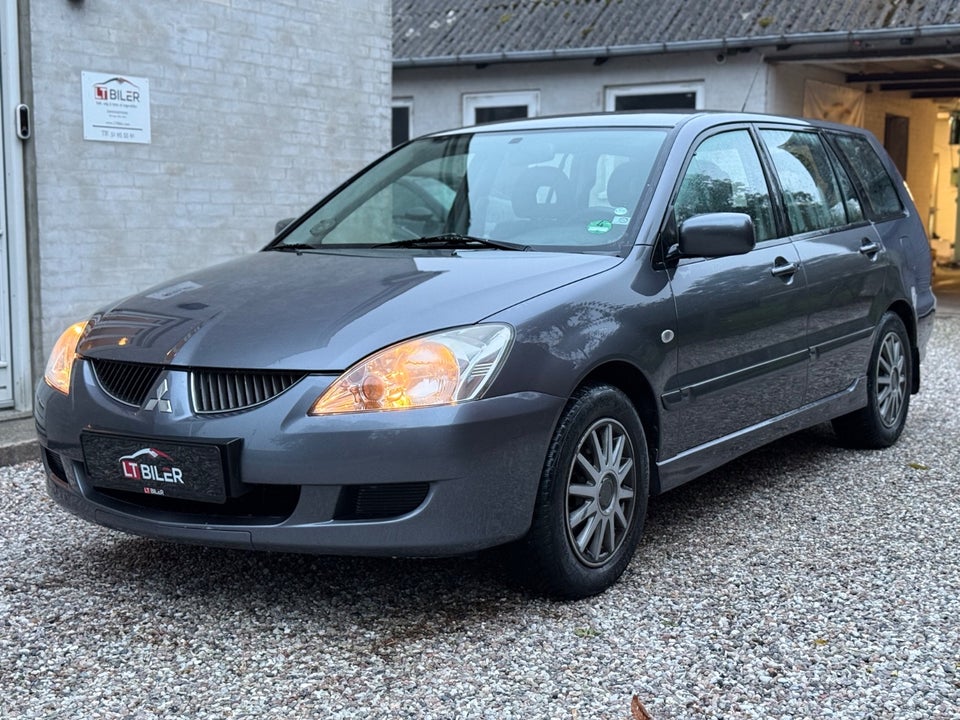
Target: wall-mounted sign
x=116, y=108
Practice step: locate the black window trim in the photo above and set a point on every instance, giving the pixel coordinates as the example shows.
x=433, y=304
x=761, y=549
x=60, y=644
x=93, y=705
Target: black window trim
x=833, y=157
x=667, y=234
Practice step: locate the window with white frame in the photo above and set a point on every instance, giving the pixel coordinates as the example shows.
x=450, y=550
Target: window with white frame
x=657, y=96
x=479, y=108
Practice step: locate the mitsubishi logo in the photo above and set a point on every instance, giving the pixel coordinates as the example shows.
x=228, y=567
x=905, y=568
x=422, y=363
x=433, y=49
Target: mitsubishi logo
x=160, y=403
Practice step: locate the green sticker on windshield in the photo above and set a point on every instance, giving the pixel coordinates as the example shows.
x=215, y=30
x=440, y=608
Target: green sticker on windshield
x=598, y=227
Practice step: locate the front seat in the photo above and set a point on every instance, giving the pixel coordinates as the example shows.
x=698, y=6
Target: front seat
x=541, y=195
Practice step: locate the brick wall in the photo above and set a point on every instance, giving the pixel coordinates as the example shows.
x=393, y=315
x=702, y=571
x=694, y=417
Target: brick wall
x=257, y=108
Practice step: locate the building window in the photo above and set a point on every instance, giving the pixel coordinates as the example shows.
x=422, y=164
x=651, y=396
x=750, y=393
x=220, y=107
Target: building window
x=402, y=117
x=482, y=108
x=673, y=96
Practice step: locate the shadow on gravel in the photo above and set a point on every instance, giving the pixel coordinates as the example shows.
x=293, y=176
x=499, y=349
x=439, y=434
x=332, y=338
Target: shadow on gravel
x=237, y=578
x=750, y=485
x=445, y=590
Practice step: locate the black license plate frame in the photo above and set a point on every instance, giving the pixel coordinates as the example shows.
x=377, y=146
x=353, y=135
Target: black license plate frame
x=156, y=466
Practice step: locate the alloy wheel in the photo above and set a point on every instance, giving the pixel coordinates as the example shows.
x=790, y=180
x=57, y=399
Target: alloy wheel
x=601, y=492
x=891, y=379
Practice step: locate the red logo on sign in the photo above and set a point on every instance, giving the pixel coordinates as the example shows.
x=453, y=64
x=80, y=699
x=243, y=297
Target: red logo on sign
x=131, y=469
x=100, y=92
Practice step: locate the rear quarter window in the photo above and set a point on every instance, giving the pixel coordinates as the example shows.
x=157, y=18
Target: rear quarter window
x=868, y=170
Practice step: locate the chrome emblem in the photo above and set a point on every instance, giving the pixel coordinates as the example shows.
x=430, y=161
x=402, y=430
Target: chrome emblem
x=160, y=403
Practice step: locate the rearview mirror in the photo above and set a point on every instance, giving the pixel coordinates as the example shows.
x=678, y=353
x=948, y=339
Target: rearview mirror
x=717, y=235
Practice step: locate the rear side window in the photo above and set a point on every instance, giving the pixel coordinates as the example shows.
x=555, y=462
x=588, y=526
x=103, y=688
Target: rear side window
x=868, y=170
x=811, y=192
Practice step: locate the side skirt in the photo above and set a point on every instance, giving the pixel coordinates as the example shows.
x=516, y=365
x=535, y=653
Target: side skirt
x=692, y=463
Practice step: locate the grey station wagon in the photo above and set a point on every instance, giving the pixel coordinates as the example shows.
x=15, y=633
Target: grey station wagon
x=505, y=335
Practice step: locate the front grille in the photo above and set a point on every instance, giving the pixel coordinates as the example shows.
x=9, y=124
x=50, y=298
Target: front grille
x=219, y=391
x=377, y=502
x=127, y=382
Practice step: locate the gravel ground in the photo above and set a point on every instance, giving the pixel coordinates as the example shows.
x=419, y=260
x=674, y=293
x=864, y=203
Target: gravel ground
x=802, y=581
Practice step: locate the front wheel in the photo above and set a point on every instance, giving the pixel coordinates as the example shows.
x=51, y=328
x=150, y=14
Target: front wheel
x=889, y=383
x=593, y=498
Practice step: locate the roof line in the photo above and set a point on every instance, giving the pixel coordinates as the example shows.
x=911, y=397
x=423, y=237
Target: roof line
x=602, y=51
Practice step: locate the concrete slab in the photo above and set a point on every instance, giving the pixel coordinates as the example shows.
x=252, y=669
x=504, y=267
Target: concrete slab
x=18, y=438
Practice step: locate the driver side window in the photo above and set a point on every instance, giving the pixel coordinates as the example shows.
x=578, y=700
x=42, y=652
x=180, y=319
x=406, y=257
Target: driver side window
x=725, y=175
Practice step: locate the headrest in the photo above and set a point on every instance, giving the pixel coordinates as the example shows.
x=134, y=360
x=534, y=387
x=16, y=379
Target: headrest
x=626, y=183
x=542, y=192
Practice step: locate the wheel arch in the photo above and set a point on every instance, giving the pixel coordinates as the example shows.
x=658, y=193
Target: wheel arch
x=903, y=310
x=633, y=383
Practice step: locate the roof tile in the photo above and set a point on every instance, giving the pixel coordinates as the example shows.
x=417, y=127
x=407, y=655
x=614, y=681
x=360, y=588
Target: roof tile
x=457, y=28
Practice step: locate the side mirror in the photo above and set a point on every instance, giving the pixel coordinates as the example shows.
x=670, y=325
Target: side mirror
x=282, y=225
x=717, y=235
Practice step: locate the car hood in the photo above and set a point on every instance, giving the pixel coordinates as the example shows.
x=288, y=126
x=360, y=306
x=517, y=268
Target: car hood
x=321, y=311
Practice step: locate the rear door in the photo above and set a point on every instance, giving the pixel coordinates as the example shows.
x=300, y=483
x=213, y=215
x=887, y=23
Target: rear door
x=741, y=320
x=841, y=256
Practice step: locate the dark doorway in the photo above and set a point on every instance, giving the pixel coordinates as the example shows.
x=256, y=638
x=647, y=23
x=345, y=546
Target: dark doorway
x=896, y=136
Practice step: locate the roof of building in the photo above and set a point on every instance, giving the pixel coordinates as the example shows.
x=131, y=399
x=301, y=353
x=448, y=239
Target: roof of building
x=435, y=32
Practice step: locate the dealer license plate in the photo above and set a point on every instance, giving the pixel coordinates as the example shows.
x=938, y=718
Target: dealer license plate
x=155, y=467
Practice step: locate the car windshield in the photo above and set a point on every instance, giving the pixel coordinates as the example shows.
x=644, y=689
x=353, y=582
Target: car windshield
x=571, y=190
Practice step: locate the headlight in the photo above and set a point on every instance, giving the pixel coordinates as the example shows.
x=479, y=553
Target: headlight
x=60, y=364
x=439, y=369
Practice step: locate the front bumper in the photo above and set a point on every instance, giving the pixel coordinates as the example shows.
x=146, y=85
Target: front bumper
x=293, y=476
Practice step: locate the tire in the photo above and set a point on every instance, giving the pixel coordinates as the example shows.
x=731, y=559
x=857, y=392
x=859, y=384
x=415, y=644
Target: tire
x=592, y=500
x=889, y=383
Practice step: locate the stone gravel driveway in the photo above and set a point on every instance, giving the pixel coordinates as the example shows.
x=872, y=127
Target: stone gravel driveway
x=802, y=581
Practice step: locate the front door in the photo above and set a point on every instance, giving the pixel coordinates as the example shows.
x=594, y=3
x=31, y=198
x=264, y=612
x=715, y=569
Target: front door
x=741, y=320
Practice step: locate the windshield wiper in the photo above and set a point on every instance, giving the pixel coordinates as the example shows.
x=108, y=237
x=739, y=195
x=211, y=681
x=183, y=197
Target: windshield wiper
x=454, y=240
x=298, y=248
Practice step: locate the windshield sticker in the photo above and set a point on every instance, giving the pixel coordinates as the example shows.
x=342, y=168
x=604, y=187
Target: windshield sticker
x=621, y=220
x=598, y=227
x=620, y=211
x=169, y=292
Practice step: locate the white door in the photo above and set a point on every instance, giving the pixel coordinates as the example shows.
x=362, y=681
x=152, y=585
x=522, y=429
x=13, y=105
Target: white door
x=6, y=375
x=6, y=320
x=15, y=363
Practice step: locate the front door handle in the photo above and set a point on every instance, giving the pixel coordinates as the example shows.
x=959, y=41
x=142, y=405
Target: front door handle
x=783, y=268
x=869, y=248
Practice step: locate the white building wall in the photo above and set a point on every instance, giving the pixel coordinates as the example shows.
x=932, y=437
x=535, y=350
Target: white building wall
x=577, y=86
x=258, y=108
x=739, y=81
x=920, y=144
